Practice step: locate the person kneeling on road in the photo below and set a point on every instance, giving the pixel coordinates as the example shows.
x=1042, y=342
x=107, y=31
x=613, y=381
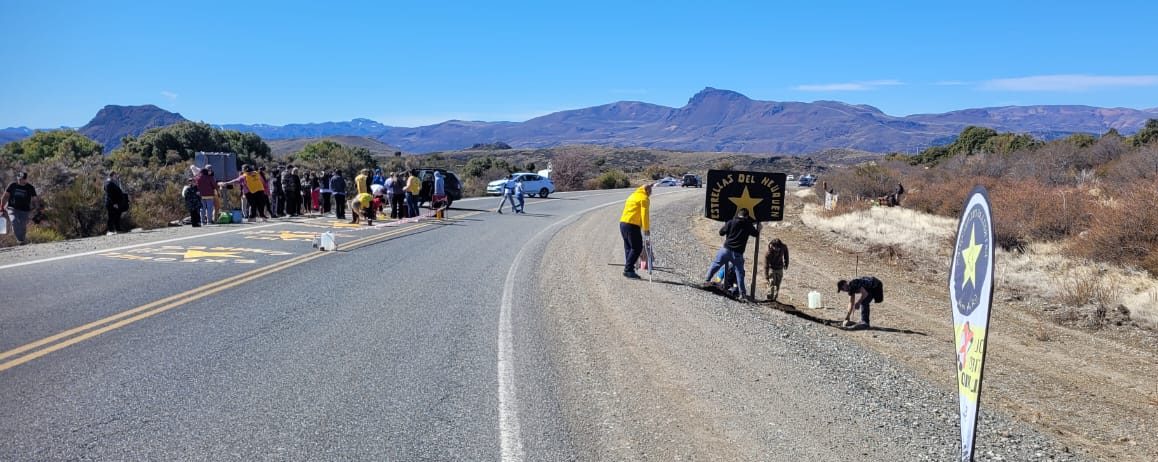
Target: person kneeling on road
x=736, y=232
x=868, y=289
x=361, y=206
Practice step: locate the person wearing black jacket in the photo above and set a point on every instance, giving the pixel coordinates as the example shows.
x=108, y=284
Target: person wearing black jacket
x=278, y=194
x=292, y=184
x=736, y=233
x=338, y=189
x=116, y=203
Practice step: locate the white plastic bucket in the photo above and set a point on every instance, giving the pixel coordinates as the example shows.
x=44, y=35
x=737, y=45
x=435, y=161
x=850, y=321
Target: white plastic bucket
x=327, y=242
x=3, y=226
x=814, y=300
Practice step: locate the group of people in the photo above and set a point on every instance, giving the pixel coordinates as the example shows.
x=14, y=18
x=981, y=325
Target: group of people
x=292, y=192
x=20, y=204
x=635, y=229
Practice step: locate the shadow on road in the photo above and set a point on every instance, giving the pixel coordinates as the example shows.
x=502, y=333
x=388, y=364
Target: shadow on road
x=791, y=309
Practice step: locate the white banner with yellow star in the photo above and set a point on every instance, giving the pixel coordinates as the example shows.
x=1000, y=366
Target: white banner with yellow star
x=728, y=191
x=971, y=293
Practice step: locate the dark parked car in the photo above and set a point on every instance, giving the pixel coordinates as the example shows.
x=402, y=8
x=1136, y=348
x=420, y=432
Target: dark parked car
x=426, y=175
x=692, y=181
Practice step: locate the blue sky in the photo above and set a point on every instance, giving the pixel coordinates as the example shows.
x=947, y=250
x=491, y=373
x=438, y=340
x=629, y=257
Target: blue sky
x=411, y=63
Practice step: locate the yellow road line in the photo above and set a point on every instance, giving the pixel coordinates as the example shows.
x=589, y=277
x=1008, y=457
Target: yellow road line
x=173, y=301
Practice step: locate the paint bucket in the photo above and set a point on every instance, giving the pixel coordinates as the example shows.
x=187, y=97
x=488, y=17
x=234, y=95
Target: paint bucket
x=327, y=243
x=814, y=300
x=3, y=226
x=236, y=216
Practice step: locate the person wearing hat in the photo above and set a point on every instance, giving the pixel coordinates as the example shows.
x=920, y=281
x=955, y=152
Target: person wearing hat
x=868, y=289
x=17, y=204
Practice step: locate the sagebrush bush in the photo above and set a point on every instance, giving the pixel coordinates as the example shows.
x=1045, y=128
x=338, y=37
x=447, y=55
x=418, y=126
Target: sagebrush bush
x=610, y=180
x=1124, y=230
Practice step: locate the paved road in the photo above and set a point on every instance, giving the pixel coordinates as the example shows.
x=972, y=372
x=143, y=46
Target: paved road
x=250, y=345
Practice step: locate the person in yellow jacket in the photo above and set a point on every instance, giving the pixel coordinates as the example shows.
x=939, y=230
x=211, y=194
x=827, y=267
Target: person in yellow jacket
x=362, y=181
x=634, y=225
x=361, y=206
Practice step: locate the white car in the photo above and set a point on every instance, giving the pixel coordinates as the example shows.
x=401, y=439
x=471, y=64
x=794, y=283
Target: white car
x=790, y=178
x=533, y=184
x=669, y=181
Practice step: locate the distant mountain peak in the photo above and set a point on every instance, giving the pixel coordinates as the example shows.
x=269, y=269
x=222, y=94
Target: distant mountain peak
x=114, y=122
x=715, y=95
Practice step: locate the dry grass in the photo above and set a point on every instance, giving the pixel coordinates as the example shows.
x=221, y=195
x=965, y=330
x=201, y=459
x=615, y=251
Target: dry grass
x=1044, y=270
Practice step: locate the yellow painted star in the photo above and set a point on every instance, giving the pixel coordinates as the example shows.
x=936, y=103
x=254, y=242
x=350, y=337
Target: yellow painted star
x=969, y=255
x=192, y=253
x=746, y=202
x=296, y=236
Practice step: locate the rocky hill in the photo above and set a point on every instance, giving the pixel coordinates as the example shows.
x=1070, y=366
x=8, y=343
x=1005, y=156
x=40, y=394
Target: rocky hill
x=115, y=122
x=282, y=148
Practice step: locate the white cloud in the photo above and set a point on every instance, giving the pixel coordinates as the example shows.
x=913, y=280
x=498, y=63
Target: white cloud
x=848, y=86
x=1069, y=82
x=169, y=95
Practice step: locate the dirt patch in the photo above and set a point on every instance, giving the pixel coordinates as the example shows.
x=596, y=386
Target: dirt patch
x=1093, y=387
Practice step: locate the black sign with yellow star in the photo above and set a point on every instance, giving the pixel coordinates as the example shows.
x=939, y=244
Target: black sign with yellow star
x=728, y=191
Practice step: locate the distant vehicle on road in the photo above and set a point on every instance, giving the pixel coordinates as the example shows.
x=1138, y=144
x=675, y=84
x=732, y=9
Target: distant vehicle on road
x=691, y=181
x=791, y=178
x=533, y=184
x=669, y=181
x=807, y=180
x=426, y=175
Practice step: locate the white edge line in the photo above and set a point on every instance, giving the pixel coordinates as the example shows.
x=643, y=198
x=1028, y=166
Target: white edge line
x=116, y=249
x=510, y=440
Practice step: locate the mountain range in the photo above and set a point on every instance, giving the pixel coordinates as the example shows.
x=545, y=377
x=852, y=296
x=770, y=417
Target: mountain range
x=712, y=120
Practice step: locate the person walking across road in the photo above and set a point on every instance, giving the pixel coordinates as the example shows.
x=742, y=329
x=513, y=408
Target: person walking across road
x=862, y=292
x=518, y=197
x=508, y=195
x=775, y=262
x=736, y=233
x=634, y=227
x=116, y=203
x=17, y=203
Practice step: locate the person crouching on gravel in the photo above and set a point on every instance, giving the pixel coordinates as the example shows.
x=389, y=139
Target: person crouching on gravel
x=634, y=226
x=861, y=293
x=736, y=232
x=775, y=262
x=362, y=206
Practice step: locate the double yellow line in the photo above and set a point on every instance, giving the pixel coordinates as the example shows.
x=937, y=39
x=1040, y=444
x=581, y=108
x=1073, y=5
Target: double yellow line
x=44, y=346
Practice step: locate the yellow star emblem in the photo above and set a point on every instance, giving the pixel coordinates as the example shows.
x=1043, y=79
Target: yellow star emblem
x=193, y=253
x=746, y=202
x=969, y=255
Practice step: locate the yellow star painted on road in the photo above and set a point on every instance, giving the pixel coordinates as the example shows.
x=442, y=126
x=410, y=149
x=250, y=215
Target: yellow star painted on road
x=344, y=224
x=191, y=253
x=970, y=255
x=746, y=202
x=296, y=236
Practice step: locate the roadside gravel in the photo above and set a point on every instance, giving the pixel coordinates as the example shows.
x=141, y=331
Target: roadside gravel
x=665, y=371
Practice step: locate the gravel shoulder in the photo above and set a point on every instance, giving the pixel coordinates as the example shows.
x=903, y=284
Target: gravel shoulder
x=664, y=371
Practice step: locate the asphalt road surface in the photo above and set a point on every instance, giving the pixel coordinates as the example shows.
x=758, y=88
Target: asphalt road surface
x=479, y=337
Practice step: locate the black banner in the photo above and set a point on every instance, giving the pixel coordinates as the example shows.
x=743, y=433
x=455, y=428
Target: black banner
x=728, y=191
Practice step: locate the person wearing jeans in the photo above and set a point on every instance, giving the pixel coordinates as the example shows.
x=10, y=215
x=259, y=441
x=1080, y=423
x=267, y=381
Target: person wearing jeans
x=736, y=232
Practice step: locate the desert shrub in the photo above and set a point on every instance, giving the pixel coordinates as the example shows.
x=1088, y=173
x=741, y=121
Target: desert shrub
x=570, y=171
x=1025, y=211
x=40, y=234
x=156, y=208
x=610, y=180
x=1087, y=285
x=1124, y=230
x=863, y=181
